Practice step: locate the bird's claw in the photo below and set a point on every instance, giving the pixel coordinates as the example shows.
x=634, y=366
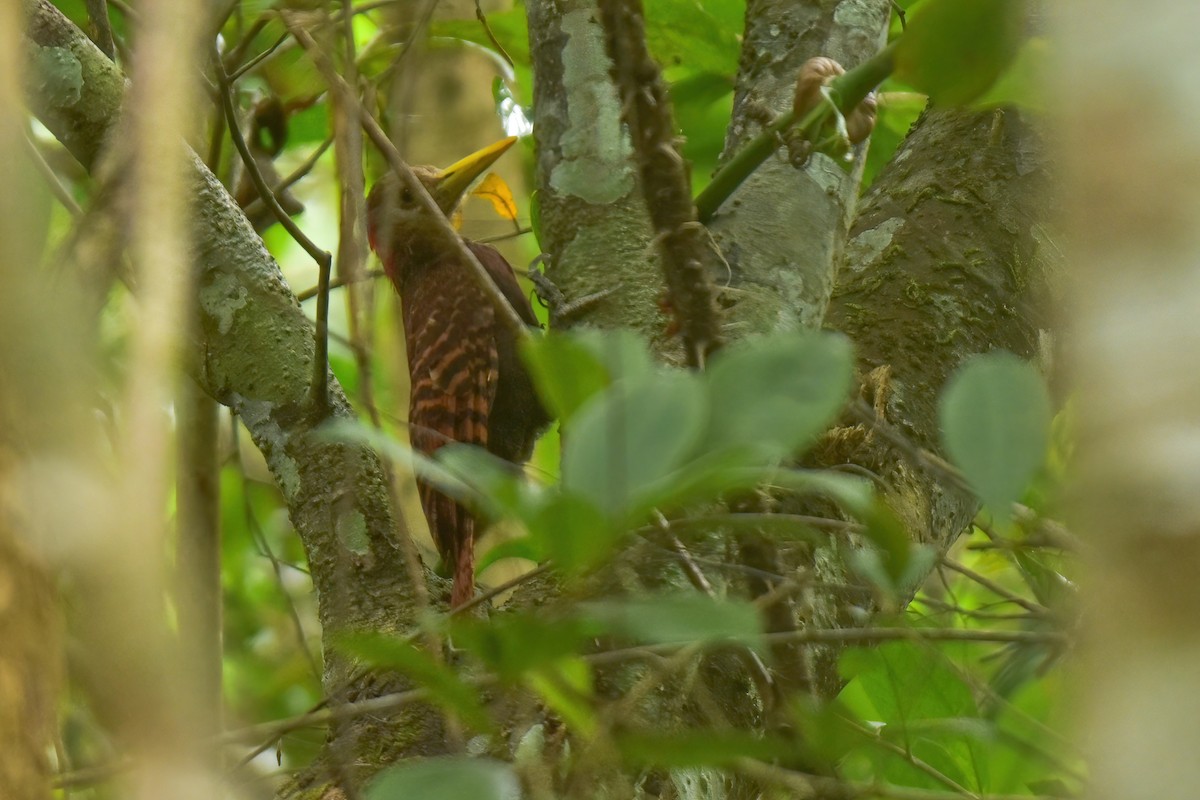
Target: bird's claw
x=562, y=311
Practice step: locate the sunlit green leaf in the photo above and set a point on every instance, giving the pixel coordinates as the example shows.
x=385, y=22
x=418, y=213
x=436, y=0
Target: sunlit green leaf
x=685, y=33
x=566, y=686
x=572, y=531
x=565, y=371
x=444, y=686
x=995, y=417
x=908, y=681
x=697, y=748
x=954, y=50
x=623, y=441
x=777, y=392
x=514, y=644
x=447, y=779
x=679, y=619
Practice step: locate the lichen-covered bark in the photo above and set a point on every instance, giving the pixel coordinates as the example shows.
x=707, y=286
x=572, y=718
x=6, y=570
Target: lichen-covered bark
x=945, y=261
x=255, y=355
x=782, y=231
x=593, y=218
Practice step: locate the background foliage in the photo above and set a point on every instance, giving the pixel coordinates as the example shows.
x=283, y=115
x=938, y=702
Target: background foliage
x=958, y=692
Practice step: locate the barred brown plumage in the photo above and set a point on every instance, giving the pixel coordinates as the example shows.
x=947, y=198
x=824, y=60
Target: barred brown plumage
x=467, y=381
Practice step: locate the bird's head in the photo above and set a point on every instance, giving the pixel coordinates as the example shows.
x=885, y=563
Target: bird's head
x=400, y=227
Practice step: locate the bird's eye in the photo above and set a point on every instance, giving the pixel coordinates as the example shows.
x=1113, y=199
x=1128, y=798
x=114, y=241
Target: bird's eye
x=406, y=196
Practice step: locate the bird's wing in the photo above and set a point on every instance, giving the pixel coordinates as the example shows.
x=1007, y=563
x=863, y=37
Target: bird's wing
x=502, y=274
x=454, y=369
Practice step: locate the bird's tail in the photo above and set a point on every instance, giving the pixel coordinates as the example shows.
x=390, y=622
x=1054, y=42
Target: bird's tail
x=453, y=531
x=464, y=573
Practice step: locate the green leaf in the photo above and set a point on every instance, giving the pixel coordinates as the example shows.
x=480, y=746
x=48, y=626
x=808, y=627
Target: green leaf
x=908, y=681
x=499, y=486
x=831, y=729
x=685, y=33
x=447, y=779
x=515, y=644
x=954, y=50
x=566, y=686
x=508, y=28
x=623, y=353
x=697, y=748
x=572, y=532
x=682, y=619
x=624, y=441
x=778, y=392
x=1023, y=83
x=565, y=371
x=899, y=108
x=995, y=417
x=429, y=469
x=445, y=689
x=889, y=534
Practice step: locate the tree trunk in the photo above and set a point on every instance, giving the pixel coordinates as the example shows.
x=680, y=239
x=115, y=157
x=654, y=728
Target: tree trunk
x=1129, y=146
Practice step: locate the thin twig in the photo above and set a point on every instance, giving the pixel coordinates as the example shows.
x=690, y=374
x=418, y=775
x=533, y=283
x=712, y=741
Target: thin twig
x=258, y=59
x=500, y=589
x=938, y=607
x=479, y=15
x=319, y=391
x=234, y=59
x=347, y=102
x=685, y=249
x=917, y=763
x=503, y=237
x=848, y=90
x=817, y=636
x=802, y=784
x=504, y=310
x=997, y=589
x=98, y=15
x=338, y=283
x=295, y=175
x=60, y=192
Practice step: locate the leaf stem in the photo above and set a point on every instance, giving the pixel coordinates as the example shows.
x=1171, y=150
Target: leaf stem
x=847, y=91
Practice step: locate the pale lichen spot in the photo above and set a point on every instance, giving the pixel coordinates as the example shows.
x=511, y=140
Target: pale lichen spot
x=351, y=531
x=595, y=162
x=863, y=249
x=62, y=75
x=222, y=298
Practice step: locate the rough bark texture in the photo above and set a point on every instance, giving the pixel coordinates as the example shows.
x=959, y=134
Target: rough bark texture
x=946, y=260
x=255, y=355
x=782, y=231
x=941, y=264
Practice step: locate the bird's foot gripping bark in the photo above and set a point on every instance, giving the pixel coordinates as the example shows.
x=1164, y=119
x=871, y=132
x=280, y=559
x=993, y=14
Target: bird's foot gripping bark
x=562, y=311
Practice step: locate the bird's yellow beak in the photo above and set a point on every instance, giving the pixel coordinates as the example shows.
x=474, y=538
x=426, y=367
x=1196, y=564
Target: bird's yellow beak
x=453, y=181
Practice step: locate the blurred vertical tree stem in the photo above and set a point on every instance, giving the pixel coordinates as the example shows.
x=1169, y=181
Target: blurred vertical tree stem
x=198, y=553
x=35, y=426
x=1128, y=96
x=253, y=353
